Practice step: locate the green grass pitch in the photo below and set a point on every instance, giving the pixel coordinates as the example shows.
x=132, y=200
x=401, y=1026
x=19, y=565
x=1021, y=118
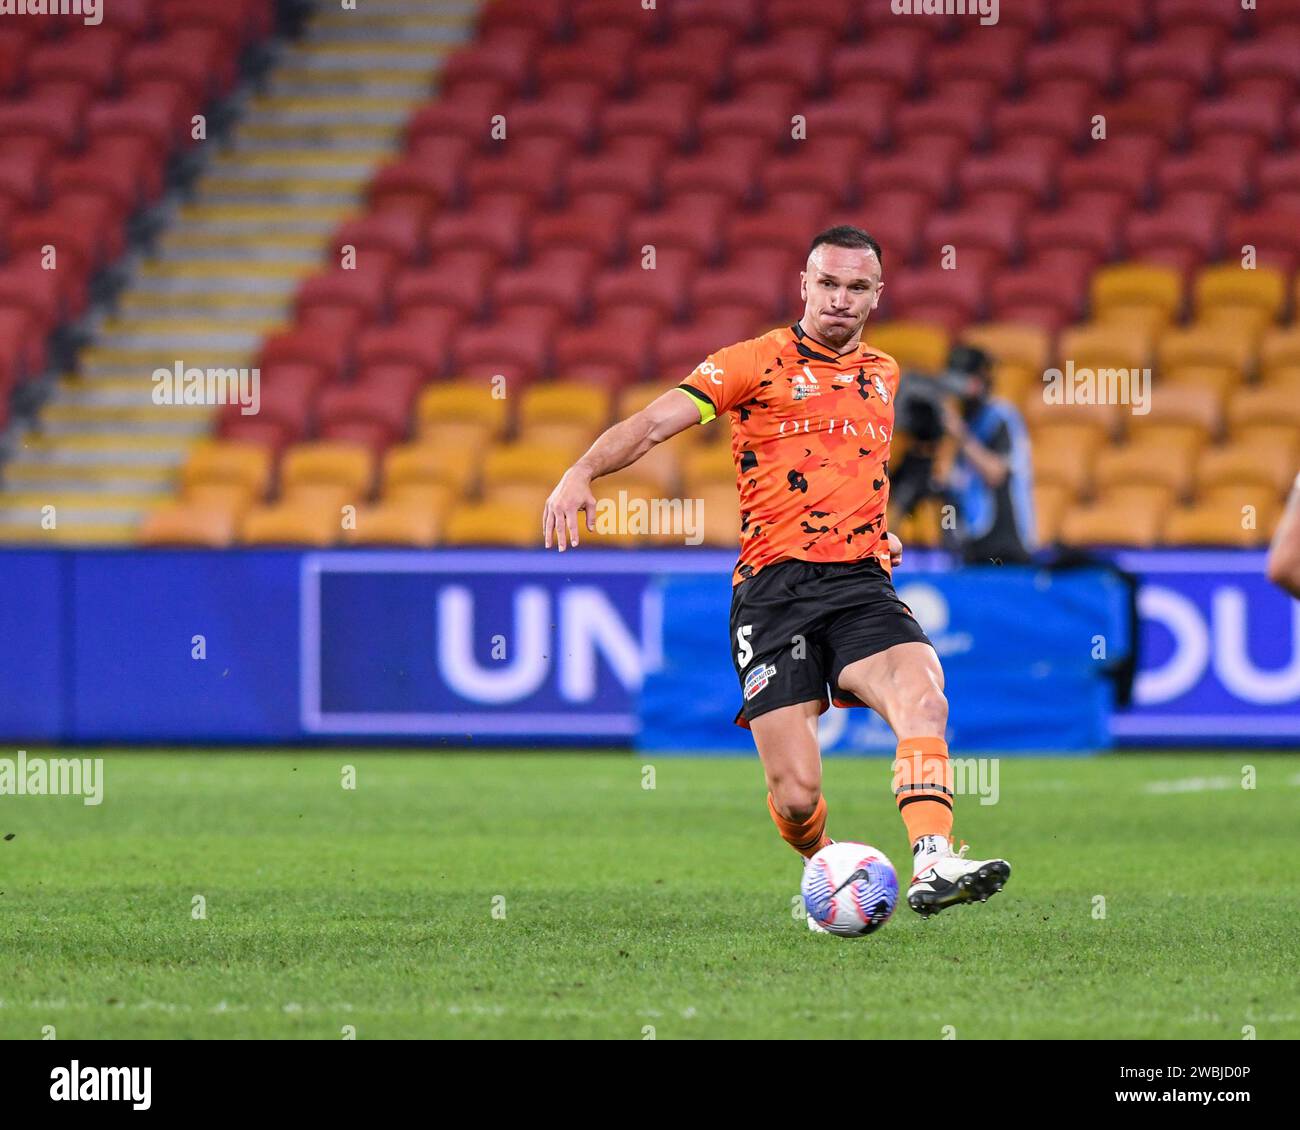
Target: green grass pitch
x=552, y=895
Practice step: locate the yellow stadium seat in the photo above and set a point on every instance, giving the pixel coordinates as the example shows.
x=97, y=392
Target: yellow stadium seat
x=1217, y=378
x=1149, y=320
x=1012, y=343
x=424, y=462
x=914, y=345
x=1012, y=382
x=433, y=495
x=1285, y=377
x=1230, y=287
x=1128, y=516
x=1233, y=517
x=483, y=523
x=573, y=437
x=522, y=496
x=1178, y=404
x=1138, y=465
x=721, y=511
x=924, y=530
x=215, y=461
x=1137, y=284
x=1040, y=412
x=539, y=464
x=349, y=465
x=1225, y=345
x=1051, y=501
x=1279, y=349
x=464, y=401
x=1271, y=466
x=393, y=524
x=232, y=497
x=188, y=525
x=1267, y=433
x=1263, y=405
x=1186, y=439
x=565, y=402
x=635, y=397
x=1097, y=345
x=1252, y=321
x=320, y=496
x=290, y=525
x=661, y=463
x=1063, y=455
x=711, y=464
x=635, y=490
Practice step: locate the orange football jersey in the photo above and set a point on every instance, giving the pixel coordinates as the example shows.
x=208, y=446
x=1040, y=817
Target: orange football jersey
x=810, y=436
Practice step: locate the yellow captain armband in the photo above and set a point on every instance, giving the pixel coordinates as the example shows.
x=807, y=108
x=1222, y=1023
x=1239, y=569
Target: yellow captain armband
x=702, y=402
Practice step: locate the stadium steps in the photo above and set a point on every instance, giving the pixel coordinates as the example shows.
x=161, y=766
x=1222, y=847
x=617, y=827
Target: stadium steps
x=223, y=274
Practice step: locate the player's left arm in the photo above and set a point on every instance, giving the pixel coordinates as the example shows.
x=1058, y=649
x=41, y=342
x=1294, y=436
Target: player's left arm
x=1284, y=553
x=895, y=549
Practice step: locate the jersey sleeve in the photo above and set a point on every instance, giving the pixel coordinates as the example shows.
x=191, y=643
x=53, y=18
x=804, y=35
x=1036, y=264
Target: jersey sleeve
x=723, y=380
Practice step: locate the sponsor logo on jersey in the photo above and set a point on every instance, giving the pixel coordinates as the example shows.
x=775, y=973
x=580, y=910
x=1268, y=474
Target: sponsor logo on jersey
x=882, y=389
x=758, y=678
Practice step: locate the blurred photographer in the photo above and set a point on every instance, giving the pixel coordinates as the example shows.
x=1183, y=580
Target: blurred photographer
x=991, y=481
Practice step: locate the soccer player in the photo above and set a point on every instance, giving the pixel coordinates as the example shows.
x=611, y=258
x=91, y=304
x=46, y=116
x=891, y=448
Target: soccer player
x=814, y=615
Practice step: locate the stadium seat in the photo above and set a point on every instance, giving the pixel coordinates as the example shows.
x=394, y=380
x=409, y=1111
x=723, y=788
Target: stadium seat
x=228, y=462
x=493, y=524
x=1272, y=466
x=1263, y=405
x=1126, y=516
x=1140, y=465
x=1235, y=516
x=1063, y=454
x=1225, y=344
x=424, y=464
x=1226, y=289
x=393, y=524
x=350, y=466
x=185, y=525
x=1051, y=502
x=913, y=346
x=477, y=401
x=291, y=525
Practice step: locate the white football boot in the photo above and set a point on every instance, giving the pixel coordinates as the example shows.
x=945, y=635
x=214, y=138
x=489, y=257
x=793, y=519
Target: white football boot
x=951, y=879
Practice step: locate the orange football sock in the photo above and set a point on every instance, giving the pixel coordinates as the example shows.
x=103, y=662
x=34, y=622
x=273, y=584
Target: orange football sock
x=923, y=787
x=807, y=838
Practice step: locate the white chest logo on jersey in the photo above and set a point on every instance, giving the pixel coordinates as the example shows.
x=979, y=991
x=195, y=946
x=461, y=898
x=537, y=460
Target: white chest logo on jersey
x=805, y=385
x=882, y=390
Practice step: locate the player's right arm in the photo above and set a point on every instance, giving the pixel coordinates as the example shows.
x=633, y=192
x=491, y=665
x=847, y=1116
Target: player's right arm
x=617, y=447
x=715, y=386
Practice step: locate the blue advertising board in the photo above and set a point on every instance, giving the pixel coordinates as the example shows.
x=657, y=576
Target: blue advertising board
x=599, y=647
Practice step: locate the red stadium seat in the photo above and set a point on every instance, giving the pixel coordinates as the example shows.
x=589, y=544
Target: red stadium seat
x=825, y=167
x=785, y=223
x=929, y=169
x=568, y=110
x=24, y=169
x=798, y=55
x=840, y=18
x=1193, y=220
x=496, y=222
x=532, y=167
x=518, y=347
x=593, y=221
x=963, y=112
x=197, y=58
x=1031, y=174
x=561, y=278
x=741, y=18
x=156, y=111
x=664, y=288
x=995, y=55
x=91, y=56
x=1174, y=14
x=1258, y=115
x=1188, y=54
x=894, y=55
x=734, y=172
x=702, y=59
x=1054, y=109
x=547, y=17
x=607, y=350
x=421, y=337
x=1092, y=223
x=665, y=108
x=599, y=57
x=631, y=166
x=1087, y=52
x=505, y=57
x=328, y=351
x=693, y=221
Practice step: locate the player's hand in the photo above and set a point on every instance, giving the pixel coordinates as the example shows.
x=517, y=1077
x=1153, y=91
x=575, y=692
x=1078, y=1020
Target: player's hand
x=560, y=515
x=895, y=550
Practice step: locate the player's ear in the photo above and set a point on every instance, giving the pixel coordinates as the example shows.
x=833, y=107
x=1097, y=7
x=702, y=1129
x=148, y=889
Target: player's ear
x=803, y=285
x=875, y=301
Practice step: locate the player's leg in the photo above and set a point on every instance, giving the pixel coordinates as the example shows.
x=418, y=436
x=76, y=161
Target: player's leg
x=883, y=659
x=904, y=685
x=786, y=739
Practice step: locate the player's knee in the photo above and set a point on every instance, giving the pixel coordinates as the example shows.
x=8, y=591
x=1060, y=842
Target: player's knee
x=930, y=712
x=795, y=799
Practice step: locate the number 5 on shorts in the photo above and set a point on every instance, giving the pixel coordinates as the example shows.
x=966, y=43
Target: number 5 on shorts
x=746, y=653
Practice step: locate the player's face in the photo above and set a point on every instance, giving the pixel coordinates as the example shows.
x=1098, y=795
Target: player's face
x=840, y=286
